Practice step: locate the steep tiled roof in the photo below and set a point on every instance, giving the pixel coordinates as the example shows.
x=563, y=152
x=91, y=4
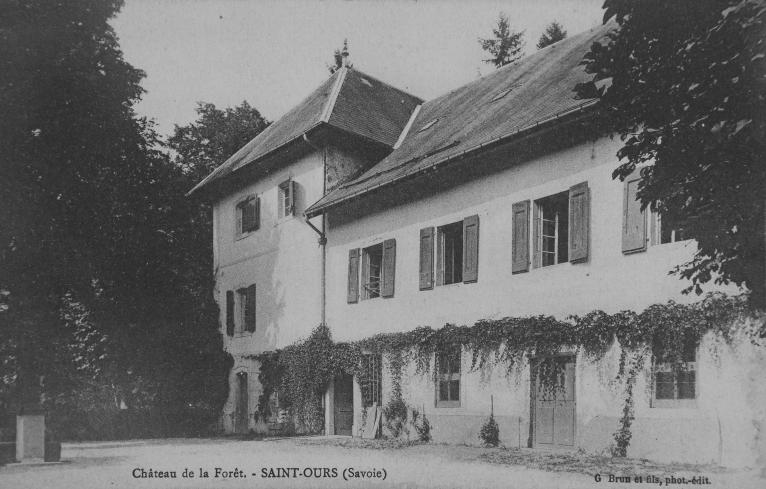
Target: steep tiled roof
x=510, y=101
x=348, y=100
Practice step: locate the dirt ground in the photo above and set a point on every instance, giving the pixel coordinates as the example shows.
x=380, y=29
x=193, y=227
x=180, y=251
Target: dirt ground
x=342, y=462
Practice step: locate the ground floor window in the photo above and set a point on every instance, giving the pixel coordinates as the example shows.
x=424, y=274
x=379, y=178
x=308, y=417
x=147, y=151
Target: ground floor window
x=448, y=377
x=675, y=380
x=370, y=381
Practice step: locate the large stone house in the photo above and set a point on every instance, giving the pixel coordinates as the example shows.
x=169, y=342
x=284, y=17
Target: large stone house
x=371, y=210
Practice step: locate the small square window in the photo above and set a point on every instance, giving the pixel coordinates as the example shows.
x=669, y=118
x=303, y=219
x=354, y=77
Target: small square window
x=448, y=377
x=372, y=271
x=450, y=253
x=552, y=230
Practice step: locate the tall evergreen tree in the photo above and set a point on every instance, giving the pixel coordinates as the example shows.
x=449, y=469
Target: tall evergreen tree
x=506, y=46
x=553, y=33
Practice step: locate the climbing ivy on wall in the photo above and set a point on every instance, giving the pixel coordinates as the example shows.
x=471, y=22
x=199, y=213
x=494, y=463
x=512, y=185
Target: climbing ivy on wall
x=301, y=372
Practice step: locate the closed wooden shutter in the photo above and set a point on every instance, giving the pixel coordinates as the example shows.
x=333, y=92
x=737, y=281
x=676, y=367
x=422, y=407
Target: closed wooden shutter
x=389, y=268
x=427, y=258
x=520, y=239
x=353, y=276
x=633, y=217
x=470, y=249
x=579, y=222
x=250, y=309
x=230, y=312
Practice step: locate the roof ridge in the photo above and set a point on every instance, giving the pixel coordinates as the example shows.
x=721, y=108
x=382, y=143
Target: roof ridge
x=330, y=104
x=383, y=82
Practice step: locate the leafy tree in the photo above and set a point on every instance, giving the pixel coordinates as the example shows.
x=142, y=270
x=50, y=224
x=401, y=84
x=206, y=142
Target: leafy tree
x=506, y=46
x=105, y=282
x=553, y=33
x=683, y=84
x=340, y=59
x=216, y=134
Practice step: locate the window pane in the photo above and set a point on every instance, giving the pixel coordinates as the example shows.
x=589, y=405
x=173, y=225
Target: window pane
x=454, y=387
x=443, y=390
x=686, y=387
x=664, y=385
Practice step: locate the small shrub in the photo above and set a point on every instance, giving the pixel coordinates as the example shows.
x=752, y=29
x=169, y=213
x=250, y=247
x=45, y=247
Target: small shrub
x=490, y=432
x=395, y=415
x=422, y=426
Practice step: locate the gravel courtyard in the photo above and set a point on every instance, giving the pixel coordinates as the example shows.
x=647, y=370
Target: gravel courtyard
x=333, y=462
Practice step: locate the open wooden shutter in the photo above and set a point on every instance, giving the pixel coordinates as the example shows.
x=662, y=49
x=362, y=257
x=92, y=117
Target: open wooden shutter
x=250, y=309
x=291, y=197
x=239, y=211
x=353, y=276
x=579, y=222
x=633, y=217
x=257, y=212
x=427, y=258
x=389, y=268
x=230, y=312
x=470, y=249
x=520, y=239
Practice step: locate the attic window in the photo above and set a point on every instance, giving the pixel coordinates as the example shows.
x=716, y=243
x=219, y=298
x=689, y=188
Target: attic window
x=428, y=125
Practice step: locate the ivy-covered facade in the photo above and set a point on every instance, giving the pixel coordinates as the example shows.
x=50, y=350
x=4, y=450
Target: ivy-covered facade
x=439, y=263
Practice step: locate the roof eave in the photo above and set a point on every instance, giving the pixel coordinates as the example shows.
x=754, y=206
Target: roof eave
x=522, y=133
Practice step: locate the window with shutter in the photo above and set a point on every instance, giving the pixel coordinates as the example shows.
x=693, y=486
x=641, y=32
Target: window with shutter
x=579, y=222
x=353, y=276
x=551, y=226
x=372, y=271
x=520, y=239
x=250, y=309
x=449, y=261
x=426, y=258
x=389, y=268
x=633, y=217
x=230, y=312
x=471, y=249
x=287, y=198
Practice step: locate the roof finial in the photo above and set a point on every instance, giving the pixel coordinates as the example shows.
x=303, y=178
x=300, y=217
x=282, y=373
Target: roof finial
x=344, y=53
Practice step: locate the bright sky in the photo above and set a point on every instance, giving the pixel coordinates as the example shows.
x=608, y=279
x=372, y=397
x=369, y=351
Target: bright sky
x=274, y=53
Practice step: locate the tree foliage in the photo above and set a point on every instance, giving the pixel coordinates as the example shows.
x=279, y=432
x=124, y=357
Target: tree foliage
x=553, y=33
x=216, y=134
x=683, y=85
x=105, y=274
x=505, y=47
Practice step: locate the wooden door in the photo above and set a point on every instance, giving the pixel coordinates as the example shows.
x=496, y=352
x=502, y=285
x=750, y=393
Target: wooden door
x=241, y=417
x=554, y=407
x=344, y=405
